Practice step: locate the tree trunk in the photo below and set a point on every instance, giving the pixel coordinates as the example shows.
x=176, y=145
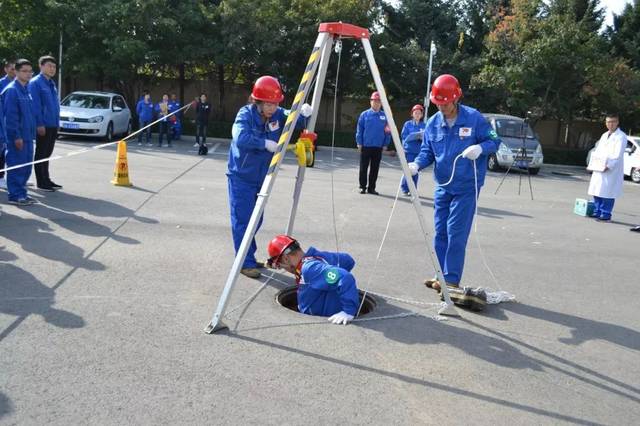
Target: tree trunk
x=221, y=92
x=181, y=72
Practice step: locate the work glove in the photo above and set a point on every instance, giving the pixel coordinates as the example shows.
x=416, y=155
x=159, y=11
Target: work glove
x=414, y=169
x=271, y=146
x=340, y=318
x=472, y=152
x=306, y=110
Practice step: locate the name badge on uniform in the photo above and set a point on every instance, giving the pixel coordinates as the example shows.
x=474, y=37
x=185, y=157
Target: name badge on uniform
x=464, y=132
x=273, y=126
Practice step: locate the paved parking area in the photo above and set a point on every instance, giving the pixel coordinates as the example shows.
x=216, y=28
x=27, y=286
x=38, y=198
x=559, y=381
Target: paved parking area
x=105, y=291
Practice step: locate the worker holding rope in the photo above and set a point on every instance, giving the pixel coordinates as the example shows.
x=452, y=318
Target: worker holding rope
x=454, y=131
x=255, y=133
x=326, y=286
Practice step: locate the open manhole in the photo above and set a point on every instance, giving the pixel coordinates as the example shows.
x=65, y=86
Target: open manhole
x=288, y=298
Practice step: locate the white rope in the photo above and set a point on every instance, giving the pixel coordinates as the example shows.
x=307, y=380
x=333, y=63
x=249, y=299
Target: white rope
x=338, y=49
x=84, y=150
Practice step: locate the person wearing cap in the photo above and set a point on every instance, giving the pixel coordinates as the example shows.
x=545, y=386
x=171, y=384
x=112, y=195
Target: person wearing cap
x=326, y=286
x=458, y=140
x=255, y=132
x=372, y=137
x=411, y=136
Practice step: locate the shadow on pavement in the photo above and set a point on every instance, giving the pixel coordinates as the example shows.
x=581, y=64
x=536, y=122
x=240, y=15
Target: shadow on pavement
x=5, y=405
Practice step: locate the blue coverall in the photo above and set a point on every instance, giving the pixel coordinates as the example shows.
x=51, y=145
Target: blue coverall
x=176, y=123
x=247, y=167
x=4, y=82
x=411, y=136
x=19, y=124
x=372, y=133
x=454, y=204
x=145, y=116
x=3, y=135
x=46, y=109
x=326, y=285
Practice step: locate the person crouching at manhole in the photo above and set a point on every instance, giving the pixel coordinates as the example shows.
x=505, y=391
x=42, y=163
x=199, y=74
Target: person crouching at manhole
x=326, y=286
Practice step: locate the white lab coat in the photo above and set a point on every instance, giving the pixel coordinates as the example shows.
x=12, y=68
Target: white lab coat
x=609, y=184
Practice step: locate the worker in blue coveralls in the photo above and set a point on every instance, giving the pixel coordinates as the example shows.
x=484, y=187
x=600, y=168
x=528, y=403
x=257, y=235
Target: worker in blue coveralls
x=20, y=126
x=255, y=132
x=411, y=136
x=46, y=109
x=9, y=75
x=326, y=286
x=454, y=131
x=372, y=137
x=3, y=137
x=175, y=119
x=144, y=109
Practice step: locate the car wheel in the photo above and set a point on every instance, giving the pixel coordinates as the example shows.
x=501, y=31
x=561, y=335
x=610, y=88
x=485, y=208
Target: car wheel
x=129, y=128
x=635, y=175
x=109, y=135
x=492, y=163
x=534, y=171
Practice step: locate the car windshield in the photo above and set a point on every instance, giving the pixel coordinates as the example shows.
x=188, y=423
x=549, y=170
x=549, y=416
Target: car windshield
x=513, y=129
x=76, y=100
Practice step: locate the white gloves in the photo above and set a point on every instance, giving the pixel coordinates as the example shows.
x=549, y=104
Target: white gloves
x=414, y=169
x=306, y=110
x=472, y=152
x=340, y=318
x=270, y=145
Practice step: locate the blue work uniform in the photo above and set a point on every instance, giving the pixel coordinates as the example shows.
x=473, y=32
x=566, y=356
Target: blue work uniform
x=3, y=135
x=145, y=117
x=4, y=82
x=454, y=204
x=46, y=107
x=176, y=120
x=247, y=167
x=411, y=136
x=372, y=135
x=19, y=124
x=326, y=285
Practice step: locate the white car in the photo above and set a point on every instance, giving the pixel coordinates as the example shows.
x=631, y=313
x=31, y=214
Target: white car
x=631, y=158
x=95, y=114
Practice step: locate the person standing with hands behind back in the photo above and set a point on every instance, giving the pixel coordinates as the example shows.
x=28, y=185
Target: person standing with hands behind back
x=46, y=108
x=372, y=137
x=203, y=108
x=411, y=136
x=255, y=133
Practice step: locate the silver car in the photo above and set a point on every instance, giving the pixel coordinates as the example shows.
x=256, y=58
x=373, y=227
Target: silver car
x=513, y=132
x=95, y=114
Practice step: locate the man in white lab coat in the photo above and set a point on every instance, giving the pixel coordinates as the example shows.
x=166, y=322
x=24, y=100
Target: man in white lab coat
x=607, y=163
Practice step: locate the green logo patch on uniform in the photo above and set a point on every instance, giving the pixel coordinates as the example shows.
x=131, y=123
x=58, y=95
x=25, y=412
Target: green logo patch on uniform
x=332, y=275
x=493, y=134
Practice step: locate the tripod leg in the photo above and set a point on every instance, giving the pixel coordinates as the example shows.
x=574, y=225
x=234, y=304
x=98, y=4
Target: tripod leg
x=503, y=178
x=530, y=186
x=519, y=182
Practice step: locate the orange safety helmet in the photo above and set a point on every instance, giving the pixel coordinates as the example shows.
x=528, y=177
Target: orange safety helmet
x=417, y=107
x=277, y=247
x=445, y=90
x=375, y=96
x=267, y=89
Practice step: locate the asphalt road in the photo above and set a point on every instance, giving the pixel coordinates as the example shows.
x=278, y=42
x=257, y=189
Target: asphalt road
x=105, y=291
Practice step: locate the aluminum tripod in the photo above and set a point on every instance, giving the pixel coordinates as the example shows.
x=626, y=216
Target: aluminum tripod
x=328, y=32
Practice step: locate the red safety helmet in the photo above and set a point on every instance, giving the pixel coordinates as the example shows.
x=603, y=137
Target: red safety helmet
x=278, y=246
x=375, y=96
x=417, y=107
x=267, y=89
x=445, y=90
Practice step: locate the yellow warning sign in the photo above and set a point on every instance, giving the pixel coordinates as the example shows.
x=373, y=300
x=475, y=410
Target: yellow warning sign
x=121, y=170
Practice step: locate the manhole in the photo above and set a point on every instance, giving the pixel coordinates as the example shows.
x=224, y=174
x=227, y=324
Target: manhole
x=288, y=298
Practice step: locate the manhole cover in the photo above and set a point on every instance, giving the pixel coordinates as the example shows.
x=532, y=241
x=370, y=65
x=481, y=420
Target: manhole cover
x=288, y=298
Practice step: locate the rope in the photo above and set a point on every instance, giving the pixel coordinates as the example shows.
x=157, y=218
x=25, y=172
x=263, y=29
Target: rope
x=84, y=150
x=338, y=49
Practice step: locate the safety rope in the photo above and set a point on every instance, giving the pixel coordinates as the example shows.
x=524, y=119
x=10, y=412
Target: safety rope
x=338, y=50
x=85, y=150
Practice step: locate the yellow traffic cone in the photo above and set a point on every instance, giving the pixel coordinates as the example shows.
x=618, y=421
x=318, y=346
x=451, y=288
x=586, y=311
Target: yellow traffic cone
x=121, y=170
